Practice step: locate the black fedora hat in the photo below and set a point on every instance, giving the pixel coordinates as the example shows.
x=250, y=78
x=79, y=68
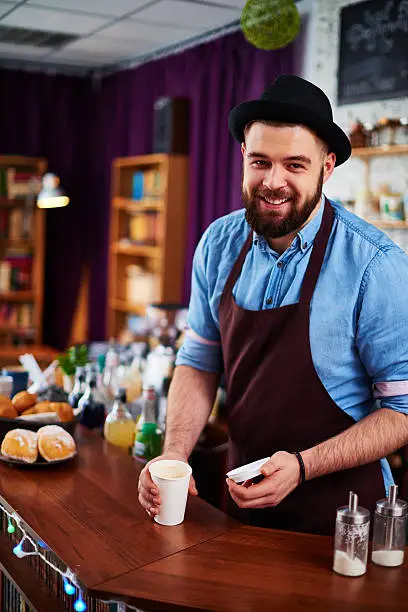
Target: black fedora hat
x=291, y=99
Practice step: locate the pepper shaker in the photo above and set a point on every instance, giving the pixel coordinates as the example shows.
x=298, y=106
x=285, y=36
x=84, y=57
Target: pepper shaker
x=351, y=539
x=390, y=525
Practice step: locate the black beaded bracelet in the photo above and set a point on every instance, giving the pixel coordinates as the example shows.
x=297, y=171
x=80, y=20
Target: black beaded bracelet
x=302, y=467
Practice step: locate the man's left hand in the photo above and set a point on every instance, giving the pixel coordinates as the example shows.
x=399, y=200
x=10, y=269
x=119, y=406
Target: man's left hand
x=282, y=474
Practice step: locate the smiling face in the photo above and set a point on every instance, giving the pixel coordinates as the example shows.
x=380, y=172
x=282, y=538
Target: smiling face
x=284, y=169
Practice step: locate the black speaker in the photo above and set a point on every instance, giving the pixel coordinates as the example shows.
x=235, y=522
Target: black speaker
x=171, y=126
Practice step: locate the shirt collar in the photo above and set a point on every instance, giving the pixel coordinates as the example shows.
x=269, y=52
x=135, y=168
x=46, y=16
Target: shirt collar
x=304, y=238
x=308, y=233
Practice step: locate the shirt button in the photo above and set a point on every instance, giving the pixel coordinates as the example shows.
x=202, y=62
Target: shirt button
x=269, y=301
x=256, y=241
x=280, y=264
x=305, y=245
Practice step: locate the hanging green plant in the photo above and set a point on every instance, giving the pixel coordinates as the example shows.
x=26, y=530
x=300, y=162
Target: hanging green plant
x=270, y=24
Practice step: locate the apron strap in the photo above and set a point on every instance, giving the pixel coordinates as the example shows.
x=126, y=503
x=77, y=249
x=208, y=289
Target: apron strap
x=317, y=256
x=237, y=267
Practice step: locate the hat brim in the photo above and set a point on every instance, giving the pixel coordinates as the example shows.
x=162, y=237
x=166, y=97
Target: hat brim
x=268, y=110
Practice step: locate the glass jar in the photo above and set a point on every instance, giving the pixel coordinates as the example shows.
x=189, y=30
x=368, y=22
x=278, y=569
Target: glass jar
x=351, y=539
x=390, y=525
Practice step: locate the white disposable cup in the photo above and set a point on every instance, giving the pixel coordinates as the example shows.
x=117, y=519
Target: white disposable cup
x=172, y=478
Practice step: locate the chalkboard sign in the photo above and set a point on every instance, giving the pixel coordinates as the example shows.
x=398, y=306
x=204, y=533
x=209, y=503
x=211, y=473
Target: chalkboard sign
x=373, y=62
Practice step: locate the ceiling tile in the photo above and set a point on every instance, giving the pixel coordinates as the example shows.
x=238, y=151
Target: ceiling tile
x=25, y=51
x=134, y=30
x=193, y=15
x=53, y=21
x=4, y=8
x=97, y=54
x=112, y=46
x=116, y=8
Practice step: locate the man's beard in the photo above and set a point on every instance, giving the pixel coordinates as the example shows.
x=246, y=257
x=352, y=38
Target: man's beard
x=269, y=224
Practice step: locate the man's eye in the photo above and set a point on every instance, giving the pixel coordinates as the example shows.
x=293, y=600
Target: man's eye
x=260, y=163
x=296, y=166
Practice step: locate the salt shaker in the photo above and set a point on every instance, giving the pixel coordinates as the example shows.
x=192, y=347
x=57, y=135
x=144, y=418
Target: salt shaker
x=390, y=525
x=351, y=539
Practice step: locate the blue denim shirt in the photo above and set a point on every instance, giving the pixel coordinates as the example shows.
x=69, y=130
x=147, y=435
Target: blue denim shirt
x=359, y=310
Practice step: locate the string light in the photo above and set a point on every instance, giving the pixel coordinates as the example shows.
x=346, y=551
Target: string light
x=68, y=577
x=80, y=605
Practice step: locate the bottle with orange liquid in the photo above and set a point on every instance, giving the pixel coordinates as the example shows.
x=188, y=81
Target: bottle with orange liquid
x=119, y=426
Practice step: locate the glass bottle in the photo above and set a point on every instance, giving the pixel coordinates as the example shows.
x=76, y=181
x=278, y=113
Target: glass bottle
x=78, y=388
x=93, y=410
x=351, y=539
x=111, y=365
x=148, y=442
x=390, y=526
x=119, y=428
x=149, y=406
x=162, y=403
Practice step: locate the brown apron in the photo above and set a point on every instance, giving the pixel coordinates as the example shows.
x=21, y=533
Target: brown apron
x=276, y=401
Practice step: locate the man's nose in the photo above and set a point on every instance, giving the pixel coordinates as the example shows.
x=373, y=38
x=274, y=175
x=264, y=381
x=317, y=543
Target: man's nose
x=275, y=178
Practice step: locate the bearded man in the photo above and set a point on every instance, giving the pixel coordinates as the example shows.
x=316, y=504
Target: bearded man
x=303, y=306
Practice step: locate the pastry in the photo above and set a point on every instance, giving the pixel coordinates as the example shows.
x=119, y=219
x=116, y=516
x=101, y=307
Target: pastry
x=20, y=444
x=7, y=410
x=64, y=411
x=55, y=444
x=29, y=411
x=42, y=407
x=23, y=400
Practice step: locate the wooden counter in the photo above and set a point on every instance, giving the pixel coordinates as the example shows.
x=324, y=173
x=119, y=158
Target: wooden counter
x=87, y=513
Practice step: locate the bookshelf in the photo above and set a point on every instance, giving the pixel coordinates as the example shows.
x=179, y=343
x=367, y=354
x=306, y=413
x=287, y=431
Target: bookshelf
x=148, y=228
x=22, y=250
x=366, y=154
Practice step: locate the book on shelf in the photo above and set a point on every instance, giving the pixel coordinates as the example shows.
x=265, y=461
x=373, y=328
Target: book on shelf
x=147, y=184
x=145, y=228
x=21, y=184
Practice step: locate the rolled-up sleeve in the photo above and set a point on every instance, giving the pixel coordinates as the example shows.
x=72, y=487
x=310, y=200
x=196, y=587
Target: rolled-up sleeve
x=382, y=328
x=201, y=348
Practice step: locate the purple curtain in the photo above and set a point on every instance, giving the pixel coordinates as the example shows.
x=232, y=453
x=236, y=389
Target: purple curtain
x=51, y=117
x=80, y=125
x=214, y=76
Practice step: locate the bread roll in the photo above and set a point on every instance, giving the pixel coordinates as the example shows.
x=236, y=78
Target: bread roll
x=20, y=444
x=23, y=400
x=41, y=407
x=29, y=411
x=55, y=444
x=7, y=410
x=64, y=411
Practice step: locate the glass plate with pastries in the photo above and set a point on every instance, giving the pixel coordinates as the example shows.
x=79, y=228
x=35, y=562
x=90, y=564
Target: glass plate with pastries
x=26, y=411
x=48, y=446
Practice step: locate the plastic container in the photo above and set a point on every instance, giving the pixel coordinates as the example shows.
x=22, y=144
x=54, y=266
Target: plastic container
x=390, y=530
x=248, y=471
x=351, y=539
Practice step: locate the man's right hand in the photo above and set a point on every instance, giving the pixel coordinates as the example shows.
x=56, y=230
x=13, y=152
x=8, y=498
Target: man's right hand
x=149, y=496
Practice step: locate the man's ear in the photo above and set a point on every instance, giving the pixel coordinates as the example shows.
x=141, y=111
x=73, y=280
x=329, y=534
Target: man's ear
x=243, y=149
x=329, y=163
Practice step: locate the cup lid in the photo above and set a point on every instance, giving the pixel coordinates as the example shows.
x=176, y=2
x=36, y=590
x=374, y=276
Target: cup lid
x=248, y=471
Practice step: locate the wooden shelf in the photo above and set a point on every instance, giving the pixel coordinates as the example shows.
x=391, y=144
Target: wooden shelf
x=140, y=160
x=14, y=329
x=138, y=250
x=167, y=176
x=35, y=245
x=380, y=151
x=130, y=307
x=6, y=202
x=17, y=296
x=135, y=206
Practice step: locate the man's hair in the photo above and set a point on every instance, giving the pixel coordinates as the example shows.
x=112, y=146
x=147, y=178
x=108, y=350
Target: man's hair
x=325, y=146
